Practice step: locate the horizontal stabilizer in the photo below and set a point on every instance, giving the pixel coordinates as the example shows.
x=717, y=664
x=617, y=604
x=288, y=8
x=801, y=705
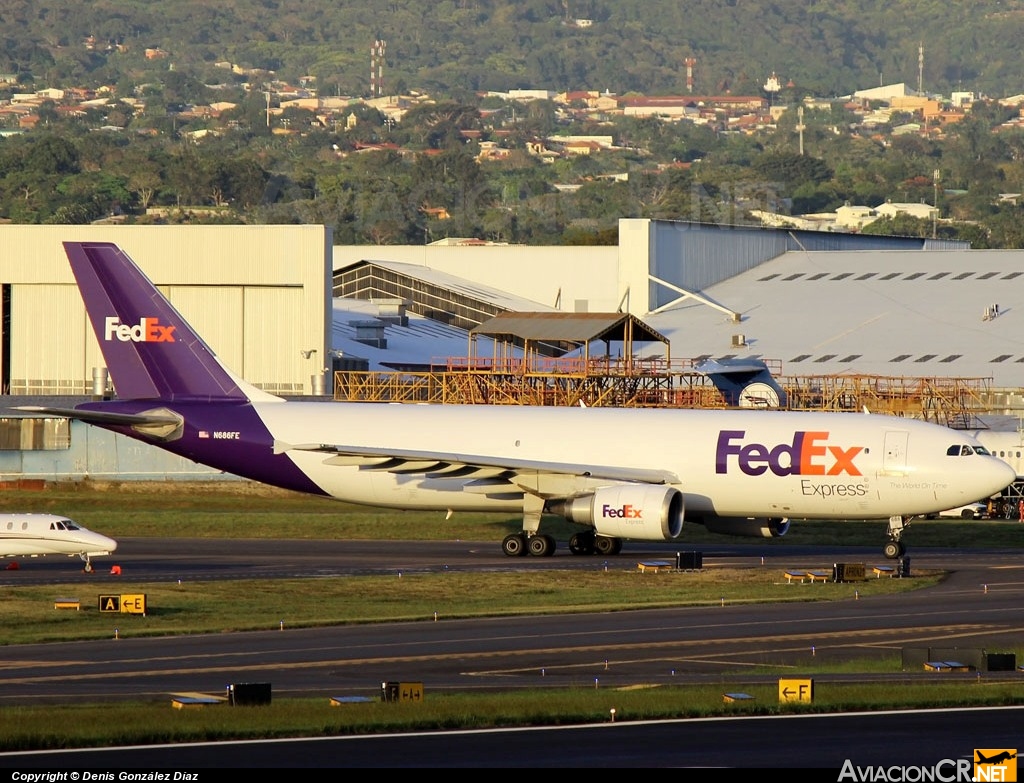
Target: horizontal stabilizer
x=98, y=417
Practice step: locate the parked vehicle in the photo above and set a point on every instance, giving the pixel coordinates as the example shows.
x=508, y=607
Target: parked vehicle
x=970, y=511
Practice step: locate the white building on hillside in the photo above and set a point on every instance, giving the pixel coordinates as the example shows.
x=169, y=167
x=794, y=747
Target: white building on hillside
x=919, y=210
x=852, y=217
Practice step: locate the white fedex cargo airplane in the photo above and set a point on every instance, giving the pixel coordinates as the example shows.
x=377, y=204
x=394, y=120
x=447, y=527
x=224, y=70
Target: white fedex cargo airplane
x=32, y=535
x=619, y=473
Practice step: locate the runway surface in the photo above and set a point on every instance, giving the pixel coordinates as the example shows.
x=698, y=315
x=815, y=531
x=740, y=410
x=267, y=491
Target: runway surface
x=977, y=607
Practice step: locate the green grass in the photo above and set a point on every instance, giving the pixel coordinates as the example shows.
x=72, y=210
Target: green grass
x=84, y=725
x=164, y=510
x=225, y=606
x=246, y=605
x=212, y=607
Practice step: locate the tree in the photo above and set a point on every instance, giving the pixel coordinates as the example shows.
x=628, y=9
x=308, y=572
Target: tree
x=439, y=126
x=791, y=169
x=51, y=154
x=186, y=177
x=95, y=193
x=119, y=113
x=144, y=183
x=47, y=113
x=1006, y=227
x=899, y=225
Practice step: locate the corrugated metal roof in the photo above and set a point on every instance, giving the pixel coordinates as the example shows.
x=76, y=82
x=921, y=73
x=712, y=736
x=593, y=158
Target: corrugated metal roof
x=889, y=313
x=569, y=327
x=420, y=341
x=458, y=285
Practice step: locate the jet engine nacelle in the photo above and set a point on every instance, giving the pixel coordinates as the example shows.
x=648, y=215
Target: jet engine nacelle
x=638, y=511
x=752, y=527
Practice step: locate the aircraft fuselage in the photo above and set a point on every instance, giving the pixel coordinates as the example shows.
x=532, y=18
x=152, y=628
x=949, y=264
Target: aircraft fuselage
x=728, y=463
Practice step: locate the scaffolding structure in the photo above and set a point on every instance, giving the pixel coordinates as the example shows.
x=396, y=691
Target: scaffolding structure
x=590, y=359
x=954, y=402
x=660, y=383
x=604, y=382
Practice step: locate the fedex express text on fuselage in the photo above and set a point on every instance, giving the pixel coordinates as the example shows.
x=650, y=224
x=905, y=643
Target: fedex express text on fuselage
x=809, y=454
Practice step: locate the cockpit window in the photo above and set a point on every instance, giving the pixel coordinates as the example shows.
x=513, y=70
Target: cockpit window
x=963, y=450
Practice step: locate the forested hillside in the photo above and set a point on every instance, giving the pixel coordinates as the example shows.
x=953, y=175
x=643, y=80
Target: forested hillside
x=825, y=47
x=154, y=147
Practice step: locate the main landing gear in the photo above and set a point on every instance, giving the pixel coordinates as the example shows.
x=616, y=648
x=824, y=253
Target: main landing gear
x=587, y=543
x=894, y=547
x=532, y=542
x=521, y=544
x=529, y=542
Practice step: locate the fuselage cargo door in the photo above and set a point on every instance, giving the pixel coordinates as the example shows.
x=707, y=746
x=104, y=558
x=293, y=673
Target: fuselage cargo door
x=894, y=460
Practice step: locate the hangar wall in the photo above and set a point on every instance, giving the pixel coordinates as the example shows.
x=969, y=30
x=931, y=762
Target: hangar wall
x=657, y=258
x=97, y=454
x=594, y=278
x=582, y=278
x=695, y=259
x=260, y=296
x=653, y=260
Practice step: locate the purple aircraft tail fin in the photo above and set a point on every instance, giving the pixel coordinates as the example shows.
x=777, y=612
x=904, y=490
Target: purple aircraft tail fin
x=150, y=350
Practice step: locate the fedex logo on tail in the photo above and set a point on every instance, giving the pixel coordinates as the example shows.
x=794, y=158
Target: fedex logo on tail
x=147, y=330
x=808, y=455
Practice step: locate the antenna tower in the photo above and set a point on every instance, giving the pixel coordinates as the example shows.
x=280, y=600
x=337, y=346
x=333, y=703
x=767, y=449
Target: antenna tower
x=690, y=62
x=800, y=127
x=377, y=68
x=920, y=68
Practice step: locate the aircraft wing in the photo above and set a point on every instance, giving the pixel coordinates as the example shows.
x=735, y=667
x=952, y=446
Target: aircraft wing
x=97, y=417
x=443, y=465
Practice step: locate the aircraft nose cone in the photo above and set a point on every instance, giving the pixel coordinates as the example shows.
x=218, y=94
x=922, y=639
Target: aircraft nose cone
x=1006, y=475
x=997, y=476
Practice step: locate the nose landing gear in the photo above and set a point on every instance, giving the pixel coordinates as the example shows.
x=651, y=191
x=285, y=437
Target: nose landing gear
x=894, y=547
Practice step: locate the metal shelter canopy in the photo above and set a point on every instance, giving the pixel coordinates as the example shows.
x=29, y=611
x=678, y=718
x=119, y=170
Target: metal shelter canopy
x=559, y=333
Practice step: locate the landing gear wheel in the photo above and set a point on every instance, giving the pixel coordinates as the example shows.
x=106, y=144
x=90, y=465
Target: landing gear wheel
x=514, y=545
x=606, y=545
x=88, y=568
x=582, y=544
x=541, y=546
x=894, y=550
